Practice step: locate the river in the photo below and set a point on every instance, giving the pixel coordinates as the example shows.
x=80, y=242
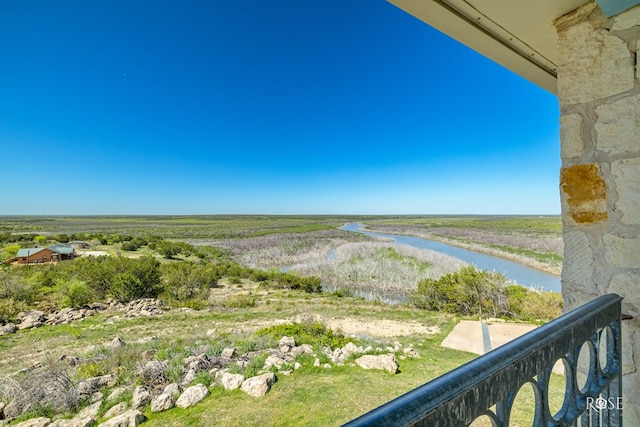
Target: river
x=522, y=274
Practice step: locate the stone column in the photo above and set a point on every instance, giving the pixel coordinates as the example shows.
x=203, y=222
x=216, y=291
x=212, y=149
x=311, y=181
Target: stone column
x=599, y=95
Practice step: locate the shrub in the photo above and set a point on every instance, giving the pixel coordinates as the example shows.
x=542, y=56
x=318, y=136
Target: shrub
x=468, y=292
x=9, y=308
x=285, y=280
x=100, y=276
x=184, y=281
x=312, y=332
x=127, y=287
x=13, y=285
x=202, y=377
x=240, y=301
x=75, y=293
x=46, y=389
x=130, y=246
x=541, y=305
x=252, y=368
x=474, y=292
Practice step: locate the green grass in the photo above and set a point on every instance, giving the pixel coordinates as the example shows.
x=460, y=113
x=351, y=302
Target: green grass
x=546, y=257
x=176, y=226
x=297, y=229
x=311, y=396
x=314, y=396
x=525, y=224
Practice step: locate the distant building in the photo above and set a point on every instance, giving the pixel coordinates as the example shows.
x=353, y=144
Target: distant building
x=52, y=253
x=78, y=244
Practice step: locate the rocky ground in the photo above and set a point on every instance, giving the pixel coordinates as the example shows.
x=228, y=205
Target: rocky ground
x=54, y=383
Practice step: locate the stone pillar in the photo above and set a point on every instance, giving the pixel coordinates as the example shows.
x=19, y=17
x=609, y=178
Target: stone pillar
x=599, y=95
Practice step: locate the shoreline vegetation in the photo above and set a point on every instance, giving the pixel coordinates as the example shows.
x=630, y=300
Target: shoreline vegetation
x=212, y=300
x=553, y=266
x=535, y=241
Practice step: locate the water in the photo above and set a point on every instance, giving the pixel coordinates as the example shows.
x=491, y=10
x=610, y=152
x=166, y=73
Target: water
x=522, y=274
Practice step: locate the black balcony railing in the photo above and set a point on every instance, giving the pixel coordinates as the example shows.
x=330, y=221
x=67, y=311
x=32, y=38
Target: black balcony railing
x=586, y=340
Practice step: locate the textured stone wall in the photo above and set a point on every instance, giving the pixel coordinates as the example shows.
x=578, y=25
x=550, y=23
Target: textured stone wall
x=599, y=94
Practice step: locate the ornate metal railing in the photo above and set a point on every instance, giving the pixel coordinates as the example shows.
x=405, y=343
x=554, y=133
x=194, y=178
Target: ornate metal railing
x=588, y=343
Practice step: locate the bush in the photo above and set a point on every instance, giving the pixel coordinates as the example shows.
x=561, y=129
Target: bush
x=467, y=292
x=9, y=309
x=184, y=281
x=124, y=278
x=75, y=293
x=541, y=305
x=282, y=280
x=240, y=301
x=48, y=387
x=474, y=292
x=311, y=332
x=15, y=286
x=130, y=246
x=127, y=287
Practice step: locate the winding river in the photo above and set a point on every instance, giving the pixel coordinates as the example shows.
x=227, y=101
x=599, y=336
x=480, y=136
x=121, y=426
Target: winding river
x=522, y=274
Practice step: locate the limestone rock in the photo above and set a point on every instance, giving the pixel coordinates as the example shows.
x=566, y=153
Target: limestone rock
x=131, y=418
x=140, y=397
x=35, y=422
x=32, y=319
x=584, y=51
x=9, y=328
x=116, y=392
x=286, y=344
x=228, y=353
x=627, y=179
x=90, y=385
x=571, y=135
x=167, y=399
x=116, y=410
x=259, y=385
x=386, y=362
x=232, y=381
x=200, y=362
x=621, y=251
x=276, y=361
x=116, y=343
x=189, y=377
x=74, y=422
x=153, y=372
x=172, y=389
x=192, y=395
x=144, y=307
x=411, y=353
x=90, y=411
x=618, y=124
x=162, y=402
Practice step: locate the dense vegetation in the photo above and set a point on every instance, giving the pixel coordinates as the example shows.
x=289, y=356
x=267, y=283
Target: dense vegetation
x=472, y=292
x=92, y=279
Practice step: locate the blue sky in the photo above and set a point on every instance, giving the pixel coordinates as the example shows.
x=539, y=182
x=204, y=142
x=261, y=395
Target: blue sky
x=248, y=106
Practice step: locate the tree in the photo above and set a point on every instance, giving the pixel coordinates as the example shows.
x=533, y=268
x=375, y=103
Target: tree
x=467, y=291
x=41, y=240
x=186, y=280
x=168, y=249
x=9, y=252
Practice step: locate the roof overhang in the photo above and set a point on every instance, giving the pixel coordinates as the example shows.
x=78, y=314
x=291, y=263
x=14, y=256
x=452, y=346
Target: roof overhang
x=519, y=35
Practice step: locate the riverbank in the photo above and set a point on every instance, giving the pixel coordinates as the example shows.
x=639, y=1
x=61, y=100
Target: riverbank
x=476, y=247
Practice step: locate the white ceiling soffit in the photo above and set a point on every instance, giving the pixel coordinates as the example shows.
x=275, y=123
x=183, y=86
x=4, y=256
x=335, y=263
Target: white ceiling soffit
x=516, y=34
